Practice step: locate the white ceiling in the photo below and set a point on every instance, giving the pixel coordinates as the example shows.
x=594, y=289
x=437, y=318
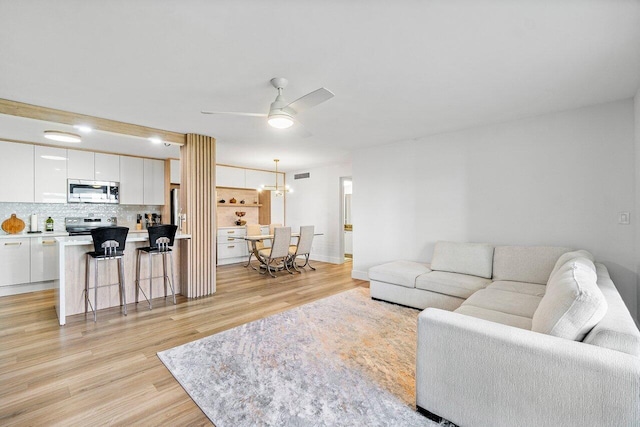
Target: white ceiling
x=399, y=70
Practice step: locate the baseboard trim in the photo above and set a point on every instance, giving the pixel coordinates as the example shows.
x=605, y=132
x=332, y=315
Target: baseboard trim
x=360, y=275
x=329, y=259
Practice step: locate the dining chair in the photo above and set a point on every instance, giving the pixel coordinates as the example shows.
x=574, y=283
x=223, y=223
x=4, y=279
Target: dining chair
x=303, y=248
x=279, y=251
x=254, y=230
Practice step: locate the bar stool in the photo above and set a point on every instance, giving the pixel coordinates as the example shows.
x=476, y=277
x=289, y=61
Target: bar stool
x=161, y=237
x=108, y=244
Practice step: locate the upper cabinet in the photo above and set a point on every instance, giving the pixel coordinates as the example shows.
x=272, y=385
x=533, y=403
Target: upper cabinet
x=131, y=180
x=80, y=164
x=107, y=167
x=50, y=175
x=175, y=171
x=153, y=182
x=16, y=172
x=230, y=177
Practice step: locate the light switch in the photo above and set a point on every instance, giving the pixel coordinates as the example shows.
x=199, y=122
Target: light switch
x=624, y=218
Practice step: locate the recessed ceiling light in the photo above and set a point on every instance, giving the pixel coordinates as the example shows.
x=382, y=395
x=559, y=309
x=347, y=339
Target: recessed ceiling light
x=57, y=135
x=155, y=140
x=83, y=128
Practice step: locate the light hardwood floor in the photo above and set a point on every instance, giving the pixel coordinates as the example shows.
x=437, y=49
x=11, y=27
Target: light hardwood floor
x=107, y=373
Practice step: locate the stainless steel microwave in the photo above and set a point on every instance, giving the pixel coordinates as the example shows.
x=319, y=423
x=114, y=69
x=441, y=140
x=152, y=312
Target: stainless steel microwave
x=84, y=191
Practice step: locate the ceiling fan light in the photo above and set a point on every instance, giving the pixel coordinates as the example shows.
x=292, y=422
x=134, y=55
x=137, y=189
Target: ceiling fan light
x=56, y=135
x=280, y=121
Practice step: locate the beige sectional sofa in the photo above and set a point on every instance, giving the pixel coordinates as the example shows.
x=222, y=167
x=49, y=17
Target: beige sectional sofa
x=517, y=335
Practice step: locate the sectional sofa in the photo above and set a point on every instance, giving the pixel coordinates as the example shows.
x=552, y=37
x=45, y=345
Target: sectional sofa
x=518, y=336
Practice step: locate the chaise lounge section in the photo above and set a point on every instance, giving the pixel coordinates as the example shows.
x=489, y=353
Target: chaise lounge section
x=516, y=335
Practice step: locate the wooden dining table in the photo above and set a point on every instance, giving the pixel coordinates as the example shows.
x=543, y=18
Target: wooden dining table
x=260, y=237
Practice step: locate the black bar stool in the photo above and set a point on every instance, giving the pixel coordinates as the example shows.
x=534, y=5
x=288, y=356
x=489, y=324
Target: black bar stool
x=108, y=244
x=161, y=237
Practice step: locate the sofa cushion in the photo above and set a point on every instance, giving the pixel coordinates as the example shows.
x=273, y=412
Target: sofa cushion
x=519, y=287
x=508, y=302
x=465, y=258
x=496, y=316
x=573, y=303
x=568, y=256
x=402, y=273
x=454, y=284
x=532, y=264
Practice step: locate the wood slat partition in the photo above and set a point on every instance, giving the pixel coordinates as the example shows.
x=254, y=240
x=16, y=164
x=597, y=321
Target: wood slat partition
x=197, y=198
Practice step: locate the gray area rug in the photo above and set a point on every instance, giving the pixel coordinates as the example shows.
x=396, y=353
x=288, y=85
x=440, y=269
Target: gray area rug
x=345, y=360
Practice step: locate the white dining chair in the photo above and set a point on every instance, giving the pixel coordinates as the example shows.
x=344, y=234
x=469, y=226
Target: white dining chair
x=303, y=248
x=278, y=252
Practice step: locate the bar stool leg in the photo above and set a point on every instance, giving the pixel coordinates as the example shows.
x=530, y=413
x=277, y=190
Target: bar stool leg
x=86, y=283
x=95, y=289
x=173, y=278
x=137, y=275
x=150, y=280
x=165, y=278
x=123, y=295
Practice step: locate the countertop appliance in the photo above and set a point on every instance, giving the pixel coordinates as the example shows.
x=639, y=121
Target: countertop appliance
x=78, y=226
x=86, y=191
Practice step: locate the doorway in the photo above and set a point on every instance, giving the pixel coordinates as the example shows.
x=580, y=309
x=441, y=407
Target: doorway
x=346, y=190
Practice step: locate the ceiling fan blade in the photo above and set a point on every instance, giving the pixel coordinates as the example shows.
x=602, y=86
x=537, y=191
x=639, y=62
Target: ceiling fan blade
x=311, y=99
x=232, y=113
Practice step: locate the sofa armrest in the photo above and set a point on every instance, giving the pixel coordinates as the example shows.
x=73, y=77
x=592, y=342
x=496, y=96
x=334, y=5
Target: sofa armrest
x=475, y=372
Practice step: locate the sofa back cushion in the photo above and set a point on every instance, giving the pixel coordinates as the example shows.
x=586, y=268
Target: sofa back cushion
x=572, y=304
x=568, y=256
x=531, y=264
x=475, y=259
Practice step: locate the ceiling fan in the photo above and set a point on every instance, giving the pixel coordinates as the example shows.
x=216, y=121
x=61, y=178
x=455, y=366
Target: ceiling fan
x=281, y=113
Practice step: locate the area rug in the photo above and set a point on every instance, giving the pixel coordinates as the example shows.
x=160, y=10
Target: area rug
x=345, y=360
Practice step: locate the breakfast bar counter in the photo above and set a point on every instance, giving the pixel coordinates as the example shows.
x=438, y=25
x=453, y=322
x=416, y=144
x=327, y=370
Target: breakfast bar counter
x=71, y=266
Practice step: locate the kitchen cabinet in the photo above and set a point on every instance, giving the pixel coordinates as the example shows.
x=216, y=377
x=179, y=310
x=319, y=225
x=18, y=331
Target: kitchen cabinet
x=44, y=259
x=153, y=193
x=14, y=261
x=227, y=176
x=80, y=164
x=107, y=167
x=50, y=175
x=174, y=166
x=16, y=172
x=131, y=180
x=230, y=250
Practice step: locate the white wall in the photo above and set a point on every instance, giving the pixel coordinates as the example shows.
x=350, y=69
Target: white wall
x=316, y=201
x=636, y=219
x=557, y=179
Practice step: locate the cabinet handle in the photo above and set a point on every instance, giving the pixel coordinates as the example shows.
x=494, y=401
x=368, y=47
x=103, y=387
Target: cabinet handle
x=230, y=232
x=13, y=244
x=231, y=247
x=48, y=242
x=230, y=239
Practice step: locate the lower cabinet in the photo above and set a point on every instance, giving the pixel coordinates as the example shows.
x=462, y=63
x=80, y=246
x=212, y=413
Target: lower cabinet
x=14, y=261
x=27, y=260
x=232, y=250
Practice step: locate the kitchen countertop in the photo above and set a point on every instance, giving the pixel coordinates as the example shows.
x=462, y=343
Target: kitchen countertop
x=23, y=235
x=140, y=236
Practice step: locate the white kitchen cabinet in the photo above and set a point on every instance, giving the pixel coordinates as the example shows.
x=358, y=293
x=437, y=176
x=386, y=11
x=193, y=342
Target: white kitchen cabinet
x=107, y=167
x=230, y=177
x=131, y=180
x=174, y=166
x=50, y=175
x=16, y=172
x=230, y=250
x=80, y=164
x=44, y=259
x=14, y=261
x=153, y=182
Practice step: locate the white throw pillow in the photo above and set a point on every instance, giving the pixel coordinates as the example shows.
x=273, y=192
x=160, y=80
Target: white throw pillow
x=572, y=304
x=568, y=256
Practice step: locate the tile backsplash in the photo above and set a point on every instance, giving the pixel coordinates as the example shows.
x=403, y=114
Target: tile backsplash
x=126, y=214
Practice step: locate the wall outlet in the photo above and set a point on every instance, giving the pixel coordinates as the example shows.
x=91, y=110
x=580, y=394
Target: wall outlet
x=624, y=218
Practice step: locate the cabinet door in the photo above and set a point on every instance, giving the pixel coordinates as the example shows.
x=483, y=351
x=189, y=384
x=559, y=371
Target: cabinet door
x=131, y=180
x=16, y=172
x=153, y=182
x=44, y=259
x=14, y=261
x=175, y=171
x=80, y=164
x=230, y=177
x=107, y=167
x=50, y=175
